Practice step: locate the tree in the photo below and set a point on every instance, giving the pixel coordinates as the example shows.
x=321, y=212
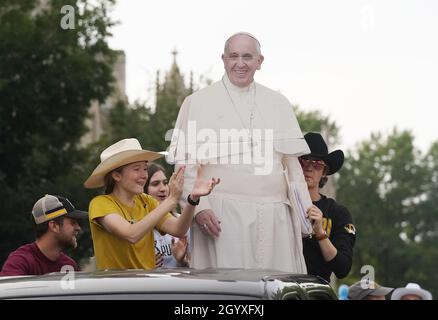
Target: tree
x=48, y=77
x=384, y=184
x=314, y=121
x=425, y=227
x=169, y=97
x=126, y=121
x=150, y=127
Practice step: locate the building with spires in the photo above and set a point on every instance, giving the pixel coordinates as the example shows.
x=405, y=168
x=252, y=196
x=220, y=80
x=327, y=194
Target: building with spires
x=170, y=93
x=173, y=87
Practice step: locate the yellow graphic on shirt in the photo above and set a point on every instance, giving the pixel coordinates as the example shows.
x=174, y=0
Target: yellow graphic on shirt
x=327, y=225
x=350, y=228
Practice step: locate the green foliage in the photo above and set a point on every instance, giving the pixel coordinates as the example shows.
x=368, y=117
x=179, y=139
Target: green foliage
x=48, y=77
x=314, y=121
x=152, y=129
x=428, y=229
x=386, y=185
x=128, y=122
x=164, y=120
x=138, y=121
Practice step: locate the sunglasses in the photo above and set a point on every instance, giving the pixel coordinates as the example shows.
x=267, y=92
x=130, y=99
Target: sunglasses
x=316, y=164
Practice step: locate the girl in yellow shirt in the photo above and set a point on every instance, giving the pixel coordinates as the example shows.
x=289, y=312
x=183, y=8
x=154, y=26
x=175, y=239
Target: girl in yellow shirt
x=122, y=220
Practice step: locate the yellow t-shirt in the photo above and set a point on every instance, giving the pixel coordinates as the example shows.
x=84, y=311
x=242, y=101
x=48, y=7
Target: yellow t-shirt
x=113, y=252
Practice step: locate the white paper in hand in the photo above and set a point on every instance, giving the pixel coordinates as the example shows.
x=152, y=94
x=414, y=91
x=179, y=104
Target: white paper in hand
x=306, y=226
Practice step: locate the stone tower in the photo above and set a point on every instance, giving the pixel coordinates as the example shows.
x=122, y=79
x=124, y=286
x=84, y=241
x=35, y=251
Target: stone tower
x=98, y=113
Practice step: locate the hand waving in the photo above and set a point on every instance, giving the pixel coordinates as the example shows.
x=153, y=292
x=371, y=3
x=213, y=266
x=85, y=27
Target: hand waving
x=202, y=187
x=176, y=184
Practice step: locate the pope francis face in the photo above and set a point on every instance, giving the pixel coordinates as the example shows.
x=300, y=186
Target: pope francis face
x=241, y=60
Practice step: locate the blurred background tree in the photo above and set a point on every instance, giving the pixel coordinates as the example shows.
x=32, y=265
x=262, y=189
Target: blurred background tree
x=315, y=121
x=391, y=192
x=386, y=184
x=150, y=125
x=48, y=78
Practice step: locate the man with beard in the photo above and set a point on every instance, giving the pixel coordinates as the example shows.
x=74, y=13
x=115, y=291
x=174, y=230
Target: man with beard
x=56, y=230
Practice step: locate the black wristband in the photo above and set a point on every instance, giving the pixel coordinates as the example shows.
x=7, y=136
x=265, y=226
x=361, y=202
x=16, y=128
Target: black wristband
x=193, y=203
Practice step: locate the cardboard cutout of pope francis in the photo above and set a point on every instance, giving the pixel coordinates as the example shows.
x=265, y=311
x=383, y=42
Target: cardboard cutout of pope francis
x=247, y=135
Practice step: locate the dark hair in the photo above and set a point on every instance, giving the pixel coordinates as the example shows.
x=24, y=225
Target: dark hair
x=322, y=182
x=42, y=228
x=109, y=181
x=324, y=177
x=152, y=169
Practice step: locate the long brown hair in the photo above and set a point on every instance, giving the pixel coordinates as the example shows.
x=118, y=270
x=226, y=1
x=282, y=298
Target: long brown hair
x=324, y=177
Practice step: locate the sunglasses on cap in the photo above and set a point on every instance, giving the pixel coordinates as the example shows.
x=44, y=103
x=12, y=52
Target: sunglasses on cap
x=316, y=164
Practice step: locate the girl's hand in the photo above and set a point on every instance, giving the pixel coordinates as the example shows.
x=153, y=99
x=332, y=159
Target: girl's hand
x=179, y=248
x=176, y=184
x=315, y=216
x=202, y=187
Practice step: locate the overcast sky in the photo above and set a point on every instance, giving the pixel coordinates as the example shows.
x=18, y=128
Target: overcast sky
x=369, y=64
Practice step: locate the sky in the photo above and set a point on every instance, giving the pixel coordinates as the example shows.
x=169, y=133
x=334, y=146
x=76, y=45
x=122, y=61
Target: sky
x=370, y=65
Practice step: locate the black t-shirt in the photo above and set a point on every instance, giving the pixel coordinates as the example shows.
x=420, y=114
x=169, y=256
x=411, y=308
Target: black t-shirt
x=339, y=226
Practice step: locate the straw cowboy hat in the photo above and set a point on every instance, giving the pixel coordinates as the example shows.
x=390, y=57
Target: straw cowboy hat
x=119, y=154
x=411, y=288
x=319, y=150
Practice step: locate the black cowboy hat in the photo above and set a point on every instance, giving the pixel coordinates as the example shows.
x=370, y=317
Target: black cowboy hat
x=319, y=150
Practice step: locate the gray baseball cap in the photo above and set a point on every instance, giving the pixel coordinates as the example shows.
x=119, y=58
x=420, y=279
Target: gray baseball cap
x=50, y=207
x=362, y=289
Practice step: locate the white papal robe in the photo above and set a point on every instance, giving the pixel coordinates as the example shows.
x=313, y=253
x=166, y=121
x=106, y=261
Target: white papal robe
x=261, y=214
